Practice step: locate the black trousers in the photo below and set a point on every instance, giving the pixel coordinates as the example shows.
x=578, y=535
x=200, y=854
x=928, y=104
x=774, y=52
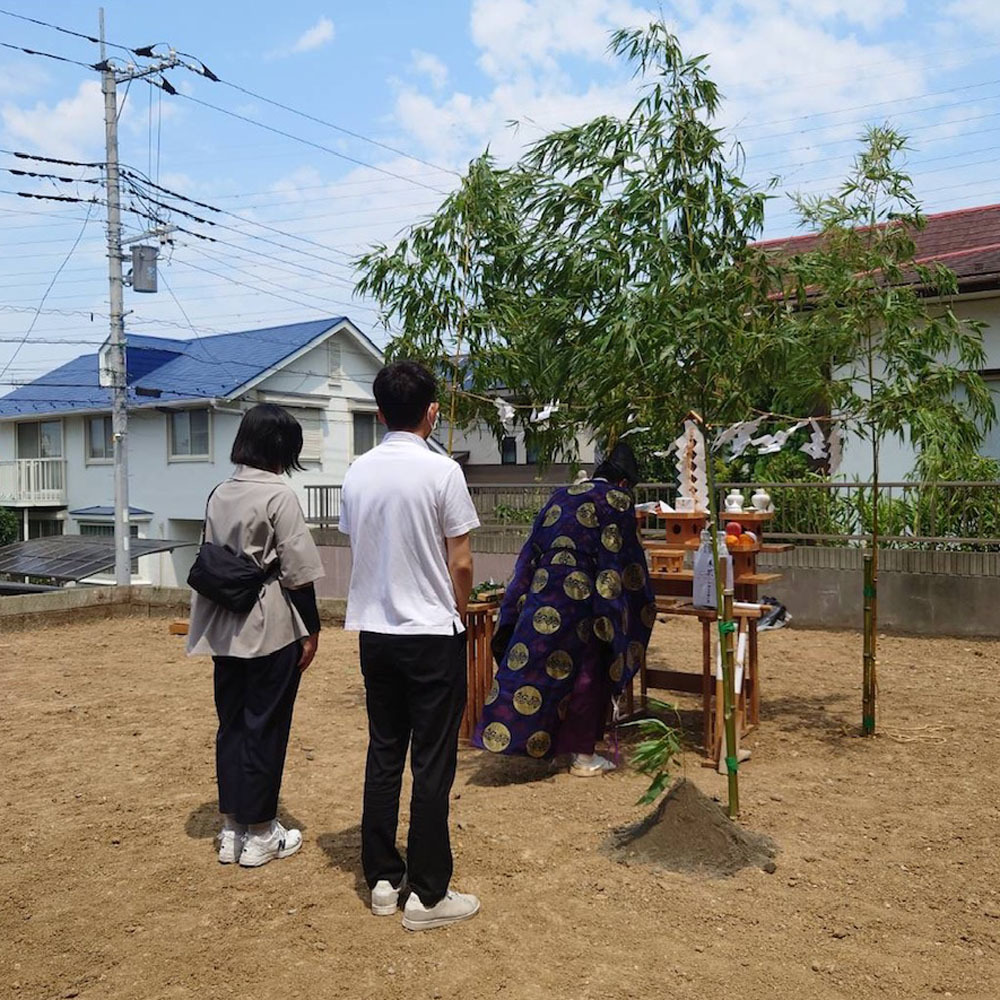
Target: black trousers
x=254, y=699
x=415, y=689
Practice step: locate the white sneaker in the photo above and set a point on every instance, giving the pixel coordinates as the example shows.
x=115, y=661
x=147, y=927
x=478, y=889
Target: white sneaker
x=454, y=907
x=385, y=899
x=258, y=848
x=230, y=846
x=589, y=765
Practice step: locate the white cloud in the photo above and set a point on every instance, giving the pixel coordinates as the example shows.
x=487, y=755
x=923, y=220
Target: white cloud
x=320, y=34
x=70, y=128
x=427, y=64
x=982, y=15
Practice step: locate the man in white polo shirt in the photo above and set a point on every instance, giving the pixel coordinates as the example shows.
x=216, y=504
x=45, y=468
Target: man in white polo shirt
x=408, y=513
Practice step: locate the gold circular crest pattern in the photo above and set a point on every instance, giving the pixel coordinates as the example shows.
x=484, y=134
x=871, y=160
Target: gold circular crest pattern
x=633, y=577
x=553, y=515
x=580, y=488
x=564, y=558
x=494, y=693
x=563, y=542
x=559, y=665
x=635, y=655
x=611, y=538
x=603, y=629
x=517, y=656
x=577, y=585
x=609, y=584
x=618, y=500
x=586, y=514
x=527, y=700
x=538, y=744
x=496, y=737
x=521, y=601
x=617, y=668
x=584, y=629
x=540, y=580
x=547, y=620
x=648, y=615
x=562, y=709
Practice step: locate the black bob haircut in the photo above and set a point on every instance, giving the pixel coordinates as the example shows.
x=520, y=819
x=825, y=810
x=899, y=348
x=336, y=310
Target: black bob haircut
x=619, y=466
x=269, y=438
x=403, y=391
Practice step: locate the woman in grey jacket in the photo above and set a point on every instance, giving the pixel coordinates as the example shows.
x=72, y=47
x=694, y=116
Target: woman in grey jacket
x=260, y=655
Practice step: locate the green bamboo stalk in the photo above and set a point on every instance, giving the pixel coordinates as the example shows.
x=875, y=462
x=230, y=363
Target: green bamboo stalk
x=726, y=636
x=868, y=681
x=724, y=614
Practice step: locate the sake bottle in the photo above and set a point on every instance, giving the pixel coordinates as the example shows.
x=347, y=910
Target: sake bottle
x=703, y=592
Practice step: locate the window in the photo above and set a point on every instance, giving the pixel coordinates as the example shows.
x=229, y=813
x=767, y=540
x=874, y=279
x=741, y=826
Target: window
x=508, y=451
x=44, y=527
x=189, y=434
x=368, y=432
x=334, y=361
x=100, y=444
x=40, y=440
x=312, y=433
x=530, y=453
x=107, y=530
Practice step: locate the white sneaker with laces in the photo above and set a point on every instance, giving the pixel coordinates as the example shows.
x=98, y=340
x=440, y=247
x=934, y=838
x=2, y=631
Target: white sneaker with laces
x=230, y=846
x=589, y=765
x=385, y=899
x=454, y=907
x=259, y=849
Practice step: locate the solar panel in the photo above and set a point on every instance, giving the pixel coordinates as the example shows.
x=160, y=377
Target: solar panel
x=73, y=557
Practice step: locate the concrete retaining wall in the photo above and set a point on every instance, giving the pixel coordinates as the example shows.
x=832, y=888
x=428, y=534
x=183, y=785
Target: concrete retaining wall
x=76, y=604
x=922, y=593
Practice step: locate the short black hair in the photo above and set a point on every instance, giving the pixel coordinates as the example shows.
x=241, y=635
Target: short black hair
x=403, y=391
x=269, y=438
x=619, y=466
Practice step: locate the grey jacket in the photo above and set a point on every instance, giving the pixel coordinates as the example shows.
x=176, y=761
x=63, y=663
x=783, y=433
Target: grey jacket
x=256, y=513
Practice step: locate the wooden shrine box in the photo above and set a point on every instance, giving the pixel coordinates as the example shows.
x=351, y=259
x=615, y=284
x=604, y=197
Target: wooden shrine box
x=681, y=527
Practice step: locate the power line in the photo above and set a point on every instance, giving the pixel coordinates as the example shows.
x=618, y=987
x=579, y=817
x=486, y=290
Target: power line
x=307, y=142
x=47, y=55
x=338, y=128
x=55, y=277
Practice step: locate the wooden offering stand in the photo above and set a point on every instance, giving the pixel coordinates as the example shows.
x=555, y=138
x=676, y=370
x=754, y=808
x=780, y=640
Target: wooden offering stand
x=673, y=586
x=480, y=620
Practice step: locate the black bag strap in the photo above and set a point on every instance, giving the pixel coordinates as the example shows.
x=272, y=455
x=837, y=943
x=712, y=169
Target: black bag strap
x=204, y=524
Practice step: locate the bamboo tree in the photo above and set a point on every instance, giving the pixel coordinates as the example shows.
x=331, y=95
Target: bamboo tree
x=891, y=365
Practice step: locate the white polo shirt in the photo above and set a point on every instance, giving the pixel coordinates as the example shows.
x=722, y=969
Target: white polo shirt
x=399, y=503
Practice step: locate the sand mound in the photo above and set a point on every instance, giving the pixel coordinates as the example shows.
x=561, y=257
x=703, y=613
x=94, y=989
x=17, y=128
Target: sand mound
x=689, y=832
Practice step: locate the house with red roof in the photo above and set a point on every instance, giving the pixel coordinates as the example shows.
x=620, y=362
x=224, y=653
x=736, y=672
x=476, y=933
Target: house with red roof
x=967, y=241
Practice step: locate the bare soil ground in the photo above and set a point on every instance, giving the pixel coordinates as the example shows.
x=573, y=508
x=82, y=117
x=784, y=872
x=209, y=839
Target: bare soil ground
x=887, y=872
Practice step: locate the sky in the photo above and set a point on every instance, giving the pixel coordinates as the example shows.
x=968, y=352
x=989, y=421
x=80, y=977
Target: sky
x=405, y=94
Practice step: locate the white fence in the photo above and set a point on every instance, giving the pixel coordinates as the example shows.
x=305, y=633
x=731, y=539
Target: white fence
x=33, y=480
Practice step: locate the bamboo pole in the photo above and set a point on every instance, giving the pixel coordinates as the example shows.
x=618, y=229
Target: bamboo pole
x=729, y=700
x=868, y=685
x=724, y=614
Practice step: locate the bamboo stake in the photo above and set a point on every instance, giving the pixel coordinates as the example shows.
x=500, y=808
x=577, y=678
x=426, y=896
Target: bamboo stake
x=724, y=613
x=868, y=685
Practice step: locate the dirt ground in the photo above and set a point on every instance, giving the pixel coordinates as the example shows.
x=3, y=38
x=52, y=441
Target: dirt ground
x=886, y=883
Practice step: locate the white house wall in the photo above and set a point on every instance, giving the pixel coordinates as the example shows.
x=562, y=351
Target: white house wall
x=175, y=491
x=897, y=458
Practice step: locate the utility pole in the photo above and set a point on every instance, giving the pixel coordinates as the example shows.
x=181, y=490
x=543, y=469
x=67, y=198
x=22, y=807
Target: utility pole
x=117, y=364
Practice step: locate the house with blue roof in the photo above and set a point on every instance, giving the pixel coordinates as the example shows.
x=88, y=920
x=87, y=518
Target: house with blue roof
x=186, y=399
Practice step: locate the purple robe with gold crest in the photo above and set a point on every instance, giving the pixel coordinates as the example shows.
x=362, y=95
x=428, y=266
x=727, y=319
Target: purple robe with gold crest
x=581, y=608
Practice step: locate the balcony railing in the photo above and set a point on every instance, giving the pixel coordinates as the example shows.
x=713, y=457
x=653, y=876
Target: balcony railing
x=33, y=481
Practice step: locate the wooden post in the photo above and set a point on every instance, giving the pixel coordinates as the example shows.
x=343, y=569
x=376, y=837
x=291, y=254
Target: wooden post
x=868, y=680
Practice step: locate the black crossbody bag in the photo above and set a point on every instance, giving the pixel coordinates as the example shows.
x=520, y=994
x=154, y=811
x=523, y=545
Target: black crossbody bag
x=230, y=579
